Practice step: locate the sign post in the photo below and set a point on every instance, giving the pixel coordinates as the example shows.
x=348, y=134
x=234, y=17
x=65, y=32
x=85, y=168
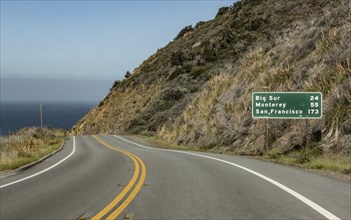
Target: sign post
x=286, y=105
x=266, y=135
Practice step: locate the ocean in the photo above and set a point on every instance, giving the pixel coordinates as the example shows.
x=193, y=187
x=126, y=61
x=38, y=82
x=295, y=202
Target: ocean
x=16, y=115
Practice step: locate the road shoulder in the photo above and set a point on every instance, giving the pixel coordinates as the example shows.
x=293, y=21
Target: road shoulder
x=154, y=142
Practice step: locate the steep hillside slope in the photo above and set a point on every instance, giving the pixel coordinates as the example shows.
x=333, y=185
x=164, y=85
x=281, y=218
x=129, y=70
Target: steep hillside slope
x=197, y=89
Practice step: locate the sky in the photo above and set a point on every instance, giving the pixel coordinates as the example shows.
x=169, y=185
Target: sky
x=50, y=46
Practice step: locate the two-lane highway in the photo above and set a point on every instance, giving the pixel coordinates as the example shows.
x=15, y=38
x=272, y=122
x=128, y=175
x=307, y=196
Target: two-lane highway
x=80, y=186
x=111, y=176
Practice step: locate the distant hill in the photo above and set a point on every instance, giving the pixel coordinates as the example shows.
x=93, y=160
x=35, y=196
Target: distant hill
x=197, y=89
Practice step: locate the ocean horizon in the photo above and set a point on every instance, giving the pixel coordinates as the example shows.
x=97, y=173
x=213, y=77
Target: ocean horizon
x=15, y=115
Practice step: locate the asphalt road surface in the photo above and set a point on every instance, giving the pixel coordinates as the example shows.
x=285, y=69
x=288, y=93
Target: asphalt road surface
x=108, y=177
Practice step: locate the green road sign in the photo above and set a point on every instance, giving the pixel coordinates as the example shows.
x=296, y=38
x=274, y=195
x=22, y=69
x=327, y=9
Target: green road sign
x=295, y=105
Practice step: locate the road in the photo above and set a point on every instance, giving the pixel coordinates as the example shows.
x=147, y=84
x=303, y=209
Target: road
x=111, y=177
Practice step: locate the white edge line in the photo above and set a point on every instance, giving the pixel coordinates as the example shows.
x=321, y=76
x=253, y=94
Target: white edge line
x=43, y=171
x=305, y=200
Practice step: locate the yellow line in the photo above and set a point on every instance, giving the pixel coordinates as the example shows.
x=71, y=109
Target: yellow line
x=114, y=202
x=132, y=195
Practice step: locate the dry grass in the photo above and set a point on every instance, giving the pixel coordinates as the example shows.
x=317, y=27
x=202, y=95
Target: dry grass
x=307, y=159
x=118, y=111
x=28, y=145
x=200, y=113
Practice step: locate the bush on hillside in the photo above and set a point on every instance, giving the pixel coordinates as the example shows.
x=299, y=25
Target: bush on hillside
x=127, y=75
x=115, y=84
x=177, y=58
x=198, y=24
x=209, y=55
x=222, y=11
x=186, y=68
x=185, y=30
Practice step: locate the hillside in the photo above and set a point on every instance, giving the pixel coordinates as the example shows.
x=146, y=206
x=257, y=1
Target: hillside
x=197, y=89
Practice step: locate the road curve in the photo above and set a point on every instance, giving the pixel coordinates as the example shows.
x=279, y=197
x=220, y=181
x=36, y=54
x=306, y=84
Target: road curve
x=128, y=180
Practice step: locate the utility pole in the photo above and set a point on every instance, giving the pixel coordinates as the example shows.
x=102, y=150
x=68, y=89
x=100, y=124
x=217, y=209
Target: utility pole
x=41, y=116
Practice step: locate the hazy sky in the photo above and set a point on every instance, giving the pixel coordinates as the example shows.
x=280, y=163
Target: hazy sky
x=90, y=40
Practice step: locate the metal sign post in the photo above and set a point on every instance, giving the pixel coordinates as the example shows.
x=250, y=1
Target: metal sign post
x=266, y=135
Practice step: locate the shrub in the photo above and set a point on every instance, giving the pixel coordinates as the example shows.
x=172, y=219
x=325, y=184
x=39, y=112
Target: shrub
x=175, y=73
x=303, y=157
x=171, y=95
x=227, y=37
x=198, y=24
x=254, y=24
x=127, y=75
x=209, y=55
x=115, y=84
x=187, y=68
x=193, y=89
x=274, y=154
x=177, y=58
x=180, y=70
x=199, y=71
x=185, y=30
x=316, y=150
x=222, y=11
x=317, y=136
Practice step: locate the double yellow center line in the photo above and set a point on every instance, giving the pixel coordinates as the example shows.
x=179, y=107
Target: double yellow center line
x=137, y=163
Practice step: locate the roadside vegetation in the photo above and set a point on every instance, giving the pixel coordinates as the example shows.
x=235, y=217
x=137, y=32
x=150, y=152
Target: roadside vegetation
x=313, y=159
x=155, y=142
x=28, y=145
